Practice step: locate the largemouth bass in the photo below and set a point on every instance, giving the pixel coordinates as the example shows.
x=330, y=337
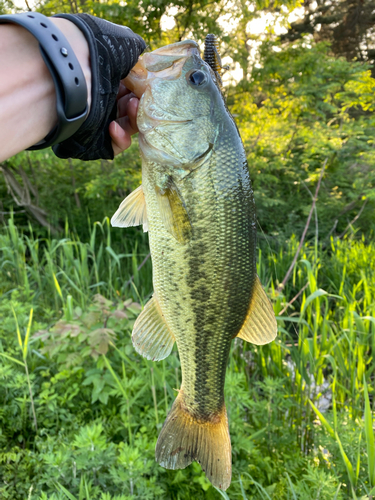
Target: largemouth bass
x=197, y=203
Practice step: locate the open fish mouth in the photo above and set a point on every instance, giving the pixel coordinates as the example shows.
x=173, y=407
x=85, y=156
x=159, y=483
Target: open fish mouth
x=166, y=62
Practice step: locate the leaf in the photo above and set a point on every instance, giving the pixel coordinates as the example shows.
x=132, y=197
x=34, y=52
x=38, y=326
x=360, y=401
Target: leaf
x=11, y=359
x=103, y=397
x=347, y=463
x=118, y=314
x=57, y=286
x=323, y=420
x=26, y=343
x=100, y=339
x=369, y=432
x=65, y=491
x=17, y=328
x=101, y=301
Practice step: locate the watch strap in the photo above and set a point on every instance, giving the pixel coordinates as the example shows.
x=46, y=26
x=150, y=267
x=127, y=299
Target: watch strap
x=66, y=72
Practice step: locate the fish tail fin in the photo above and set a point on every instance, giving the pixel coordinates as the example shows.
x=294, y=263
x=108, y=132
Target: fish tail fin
x=184, y=438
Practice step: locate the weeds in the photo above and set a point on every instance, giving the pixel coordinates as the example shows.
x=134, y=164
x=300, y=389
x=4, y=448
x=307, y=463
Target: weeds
x=96, y=407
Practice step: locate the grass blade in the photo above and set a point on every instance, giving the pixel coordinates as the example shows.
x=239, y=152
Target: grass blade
x=369, y=437
x=259, y=487
x=11, y=359
x=357, y=469
x=242, y=488
x=222, y=493
x=57, y=286
x=291, y=486
x=323, y=420
x=17, y=328
x=347, y=463
x=115, y=377
x=26, y=343
x=65, y=491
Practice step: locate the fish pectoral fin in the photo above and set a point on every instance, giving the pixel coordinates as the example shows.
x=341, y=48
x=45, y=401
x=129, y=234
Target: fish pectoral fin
x=132, y=211
x=151, y=335
x=173, y=212
x=260, y=325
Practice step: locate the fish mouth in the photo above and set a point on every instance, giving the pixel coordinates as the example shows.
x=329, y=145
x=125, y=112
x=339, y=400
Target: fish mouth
x=166, y=62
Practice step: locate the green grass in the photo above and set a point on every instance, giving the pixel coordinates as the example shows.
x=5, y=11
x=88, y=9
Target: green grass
x=45, y=266
x=81, y=410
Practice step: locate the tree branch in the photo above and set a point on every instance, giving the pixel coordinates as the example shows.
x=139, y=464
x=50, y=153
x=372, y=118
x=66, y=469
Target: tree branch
x=289, y=272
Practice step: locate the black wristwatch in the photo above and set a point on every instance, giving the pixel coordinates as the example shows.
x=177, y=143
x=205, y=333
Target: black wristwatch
x=67, y=74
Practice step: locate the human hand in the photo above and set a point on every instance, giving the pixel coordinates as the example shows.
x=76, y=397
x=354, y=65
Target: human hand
x=106, y=52
x=107, y=131
x=125, y=124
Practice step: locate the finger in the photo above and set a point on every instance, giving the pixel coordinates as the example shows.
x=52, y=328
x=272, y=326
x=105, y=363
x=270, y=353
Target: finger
x=124, y=127
x=132, y=110
x=122, y=91
x=123, y=104
x=121, y=138
x=128, y=118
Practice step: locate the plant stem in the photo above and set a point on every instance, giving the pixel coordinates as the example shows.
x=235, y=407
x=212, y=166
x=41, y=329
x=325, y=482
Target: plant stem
x=31, y=396
x=154, y=396
x=289, y=272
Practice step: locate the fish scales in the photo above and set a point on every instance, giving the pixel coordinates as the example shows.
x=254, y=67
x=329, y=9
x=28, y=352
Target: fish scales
x=201, y=219
x=204, y=288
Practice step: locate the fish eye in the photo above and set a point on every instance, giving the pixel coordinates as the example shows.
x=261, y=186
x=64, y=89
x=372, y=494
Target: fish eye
x=197, y=78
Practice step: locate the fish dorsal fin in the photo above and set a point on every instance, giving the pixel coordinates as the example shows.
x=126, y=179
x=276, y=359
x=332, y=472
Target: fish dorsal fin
x=132, y=211
x=173, y=212
x=260, y=325
x=151, y=335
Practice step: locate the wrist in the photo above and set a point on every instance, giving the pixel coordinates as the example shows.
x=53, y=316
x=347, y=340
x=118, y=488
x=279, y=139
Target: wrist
x=80, y=47
x=27, y=91
x=47, y=54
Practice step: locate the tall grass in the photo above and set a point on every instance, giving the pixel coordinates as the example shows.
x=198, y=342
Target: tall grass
x=324, y=352
x=79, y=269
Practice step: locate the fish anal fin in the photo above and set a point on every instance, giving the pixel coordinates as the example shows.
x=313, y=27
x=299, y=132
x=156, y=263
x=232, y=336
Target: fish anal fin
x=132, y=211
x=151, y=335
x=173, y=212
x=260, y=325
x=183, y=439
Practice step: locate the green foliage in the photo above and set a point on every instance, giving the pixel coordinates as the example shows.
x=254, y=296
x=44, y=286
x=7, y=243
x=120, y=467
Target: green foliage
x=99, y=406
x=6, y=6
x=84, y=189
x=302, y=108
x=80, y=411
x=69, y=267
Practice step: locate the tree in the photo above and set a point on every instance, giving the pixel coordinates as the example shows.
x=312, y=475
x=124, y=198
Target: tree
x=347, y=24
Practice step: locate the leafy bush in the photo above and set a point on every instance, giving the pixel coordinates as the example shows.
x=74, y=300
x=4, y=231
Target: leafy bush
x=99, y=406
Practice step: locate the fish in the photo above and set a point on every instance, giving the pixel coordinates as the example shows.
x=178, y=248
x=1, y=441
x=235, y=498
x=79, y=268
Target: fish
x=197, y=203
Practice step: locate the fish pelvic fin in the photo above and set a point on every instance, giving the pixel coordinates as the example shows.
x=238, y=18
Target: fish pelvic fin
x=184, y=438
x=132, y=211
x=260, y=325
x=151, y=335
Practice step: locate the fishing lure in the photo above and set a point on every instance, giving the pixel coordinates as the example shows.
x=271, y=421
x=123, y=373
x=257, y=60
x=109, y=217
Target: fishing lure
x=212, y=57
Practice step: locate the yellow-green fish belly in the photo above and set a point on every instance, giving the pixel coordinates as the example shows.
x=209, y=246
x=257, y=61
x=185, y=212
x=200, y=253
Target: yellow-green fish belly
x=204, y=286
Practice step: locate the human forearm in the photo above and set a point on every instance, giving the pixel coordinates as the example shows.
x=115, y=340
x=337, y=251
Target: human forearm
x=27, y=91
